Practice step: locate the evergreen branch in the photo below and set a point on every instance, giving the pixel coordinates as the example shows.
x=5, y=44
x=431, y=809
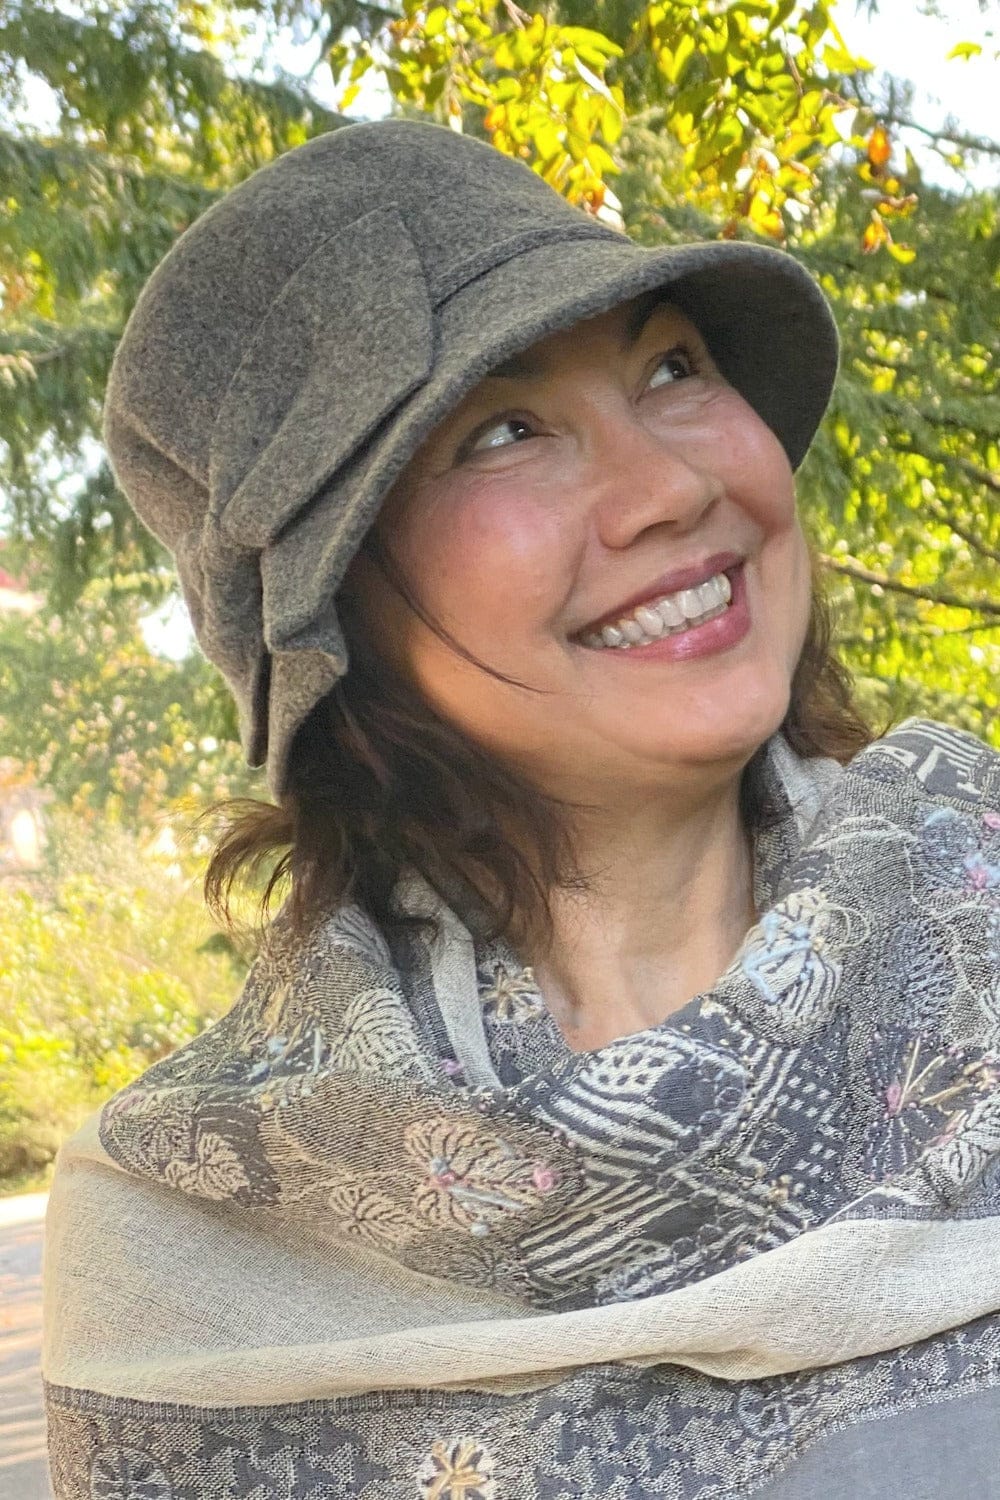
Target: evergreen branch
x=83, y=336
x=986, y=477
x=901, y=407
x=923, y=627
x=36, y=160
x=971, y=538
x=944, y=597
x=145, y=60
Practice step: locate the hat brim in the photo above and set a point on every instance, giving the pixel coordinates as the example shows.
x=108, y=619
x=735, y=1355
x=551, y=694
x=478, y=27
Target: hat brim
x=764, y=319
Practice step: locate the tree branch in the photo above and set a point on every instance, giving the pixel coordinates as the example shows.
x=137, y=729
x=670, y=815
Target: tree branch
x=969, y=537
x=955, y=137
x=981, y=476
x=912, y=591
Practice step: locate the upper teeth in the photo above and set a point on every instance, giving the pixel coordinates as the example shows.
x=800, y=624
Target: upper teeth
x=664, y=616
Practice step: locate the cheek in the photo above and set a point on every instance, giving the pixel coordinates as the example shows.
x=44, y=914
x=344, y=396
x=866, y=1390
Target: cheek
x=762, y=474
x=495, y=561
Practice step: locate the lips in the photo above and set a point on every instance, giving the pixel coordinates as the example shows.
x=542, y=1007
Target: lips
x=668, y=583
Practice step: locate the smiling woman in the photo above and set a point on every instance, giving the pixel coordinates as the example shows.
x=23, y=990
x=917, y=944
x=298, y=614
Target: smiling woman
x=613, y=1108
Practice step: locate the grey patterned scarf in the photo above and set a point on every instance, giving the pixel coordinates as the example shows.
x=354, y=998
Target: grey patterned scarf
x=324, y=1249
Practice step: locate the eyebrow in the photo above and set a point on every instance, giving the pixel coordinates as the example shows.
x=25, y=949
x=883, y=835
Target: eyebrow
x=529, y=367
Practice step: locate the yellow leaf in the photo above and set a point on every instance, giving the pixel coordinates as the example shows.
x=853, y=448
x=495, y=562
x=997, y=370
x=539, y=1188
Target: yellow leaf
x=879, y=147
x=874, y=236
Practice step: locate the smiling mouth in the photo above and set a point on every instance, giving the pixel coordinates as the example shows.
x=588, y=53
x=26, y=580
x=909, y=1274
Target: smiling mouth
x=669, y=614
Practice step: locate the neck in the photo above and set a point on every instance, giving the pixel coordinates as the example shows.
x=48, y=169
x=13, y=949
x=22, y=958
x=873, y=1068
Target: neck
x=669, y=902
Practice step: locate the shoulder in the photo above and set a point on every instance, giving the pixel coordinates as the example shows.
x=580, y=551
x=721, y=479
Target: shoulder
x=942, y=760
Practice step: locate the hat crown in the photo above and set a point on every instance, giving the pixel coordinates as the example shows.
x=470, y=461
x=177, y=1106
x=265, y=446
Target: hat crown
x=461, y=199
x=465, y=208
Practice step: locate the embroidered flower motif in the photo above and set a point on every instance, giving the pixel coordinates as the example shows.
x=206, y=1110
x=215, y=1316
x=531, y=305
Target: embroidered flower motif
x=458, y=1470
x=970, y=1145
x=366, y=1214
x=511, y=996
x=982, y=876
x=946, y=842
x=925, y=1094
x=214, y=1171
x=992, y=820
x=375, y=1035
x=470, y=1179
x=128, y=1474
x=788, y=960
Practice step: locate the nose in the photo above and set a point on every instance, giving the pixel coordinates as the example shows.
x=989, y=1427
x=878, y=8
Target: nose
x=646, y=477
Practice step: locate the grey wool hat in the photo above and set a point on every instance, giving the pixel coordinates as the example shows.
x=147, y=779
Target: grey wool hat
x=300, y=340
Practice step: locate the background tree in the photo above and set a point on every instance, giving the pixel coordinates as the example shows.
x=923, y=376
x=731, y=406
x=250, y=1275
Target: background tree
x=744, y=118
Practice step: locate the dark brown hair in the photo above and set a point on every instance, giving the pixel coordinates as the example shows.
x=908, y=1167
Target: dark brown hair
x=378, y=782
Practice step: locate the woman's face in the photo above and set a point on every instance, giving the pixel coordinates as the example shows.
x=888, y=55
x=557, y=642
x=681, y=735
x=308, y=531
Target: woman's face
x=606, y=521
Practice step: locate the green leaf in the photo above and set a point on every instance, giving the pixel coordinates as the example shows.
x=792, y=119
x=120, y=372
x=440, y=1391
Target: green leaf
x=597, y=84
x=436, y=21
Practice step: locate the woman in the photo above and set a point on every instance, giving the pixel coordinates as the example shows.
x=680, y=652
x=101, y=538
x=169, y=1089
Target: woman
x=614, y=1106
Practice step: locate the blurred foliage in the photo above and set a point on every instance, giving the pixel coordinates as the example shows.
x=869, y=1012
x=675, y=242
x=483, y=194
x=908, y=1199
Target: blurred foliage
x=109, y=963
x=119, y=734
x=748, y=93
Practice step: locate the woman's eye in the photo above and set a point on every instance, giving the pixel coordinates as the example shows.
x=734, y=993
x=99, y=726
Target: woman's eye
x=491, y=436
x=677, y=362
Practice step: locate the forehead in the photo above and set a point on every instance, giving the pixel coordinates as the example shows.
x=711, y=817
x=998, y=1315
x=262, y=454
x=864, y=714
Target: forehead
x=622, y=327
x=623, y=324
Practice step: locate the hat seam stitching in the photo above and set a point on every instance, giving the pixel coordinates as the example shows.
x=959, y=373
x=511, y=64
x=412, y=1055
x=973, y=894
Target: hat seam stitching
x=479, y=265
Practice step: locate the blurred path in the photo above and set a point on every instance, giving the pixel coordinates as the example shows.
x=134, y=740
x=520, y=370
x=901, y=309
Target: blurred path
x=23, y=1469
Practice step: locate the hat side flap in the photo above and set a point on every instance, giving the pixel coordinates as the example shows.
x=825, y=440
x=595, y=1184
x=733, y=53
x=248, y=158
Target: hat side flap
x=349, y=336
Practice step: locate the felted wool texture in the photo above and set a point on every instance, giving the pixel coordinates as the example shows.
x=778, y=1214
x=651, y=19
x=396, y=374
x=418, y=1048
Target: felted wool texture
x=304, y=335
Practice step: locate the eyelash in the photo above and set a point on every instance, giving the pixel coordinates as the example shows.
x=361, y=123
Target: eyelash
x=465, y=448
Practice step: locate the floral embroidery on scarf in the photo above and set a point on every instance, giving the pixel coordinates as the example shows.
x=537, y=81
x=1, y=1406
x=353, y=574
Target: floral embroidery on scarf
x=968, y=1150
x=459, y=1470
x=213, y=1171
x=127, y=1474
x=789, y=957
x=471, y=1180
x=511, y=995
x=925, y=1092
x=376, y=1034
x=830, y=1071
x=364, y=1213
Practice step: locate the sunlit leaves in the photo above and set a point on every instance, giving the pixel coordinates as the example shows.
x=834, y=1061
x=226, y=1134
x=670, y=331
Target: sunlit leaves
x=965, y=50
x=749, y=90
x=109, y=964
x=537, y=89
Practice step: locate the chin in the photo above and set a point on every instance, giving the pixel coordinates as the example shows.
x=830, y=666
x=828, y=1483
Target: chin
x=729, y=737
